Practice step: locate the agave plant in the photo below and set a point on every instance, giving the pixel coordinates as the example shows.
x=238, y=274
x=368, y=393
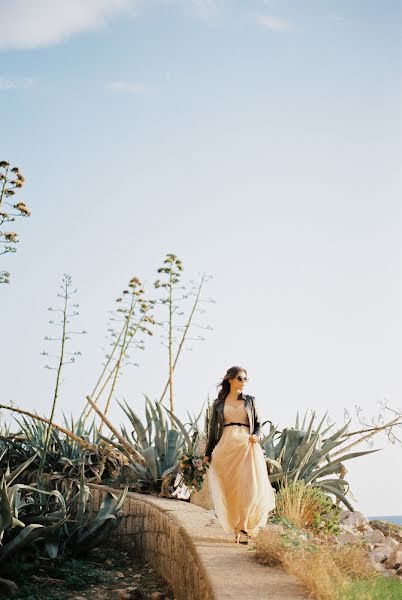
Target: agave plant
x=35, y=432
x=158, y=444
x=66, y=453
x=17, y=506
x=14, y=448
x=304, y=453
x=60, y=520
x=83, y=531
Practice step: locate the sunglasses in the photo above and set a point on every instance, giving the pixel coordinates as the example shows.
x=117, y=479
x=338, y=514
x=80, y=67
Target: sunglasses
x=240, y=378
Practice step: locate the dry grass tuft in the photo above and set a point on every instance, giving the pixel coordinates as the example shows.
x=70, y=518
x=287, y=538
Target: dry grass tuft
x=269, y=547
x=318, y=572
x=325, y=569
x=352, y=560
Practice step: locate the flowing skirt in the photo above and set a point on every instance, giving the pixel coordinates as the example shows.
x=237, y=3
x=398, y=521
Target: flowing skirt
x=239, y=483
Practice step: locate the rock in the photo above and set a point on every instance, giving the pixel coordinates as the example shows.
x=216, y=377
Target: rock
x=157, y=596
x=120, y=575
x=347, y=529
x=389, y=541
x=375, y=536
x=348, y=538
x=388, y=529
x=131, y=593
x=354, y=519
x=380, y=554
x=394, y=560
x=8, y=588
x=379, y=567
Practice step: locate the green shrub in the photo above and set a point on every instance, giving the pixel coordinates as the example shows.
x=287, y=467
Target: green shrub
x=307, y=507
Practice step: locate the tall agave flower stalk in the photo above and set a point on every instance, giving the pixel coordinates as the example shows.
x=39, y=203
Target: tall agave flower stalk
x=172, y=272
x=11, y=179
x=62, y=359
x=172, y=269
x=303, y=452
x=104, y=377
x=133, y=313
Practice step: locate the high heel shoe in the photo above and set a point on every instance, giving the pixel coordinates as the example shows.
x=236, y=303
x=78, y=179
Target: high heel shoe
x=245, y=537
x=237, y=537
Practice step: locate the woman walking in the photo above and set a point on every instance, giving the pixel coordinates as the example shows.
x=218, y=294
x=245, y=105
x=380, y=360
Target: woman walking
x=238, y=477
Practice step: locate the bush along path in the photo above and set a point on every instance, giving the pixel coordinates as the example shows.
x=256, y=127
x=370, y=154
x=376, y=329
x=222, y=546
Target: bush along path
x=336, y=554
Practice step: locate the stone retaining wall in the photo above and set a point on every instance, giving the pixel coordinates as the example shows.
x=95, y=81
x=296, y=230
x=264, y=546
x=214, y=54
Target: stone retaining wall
x=160, y=531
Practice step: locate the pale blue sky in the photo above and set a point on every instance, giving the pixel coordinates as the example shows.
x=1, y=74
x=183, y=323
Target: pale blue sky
x=259, y=141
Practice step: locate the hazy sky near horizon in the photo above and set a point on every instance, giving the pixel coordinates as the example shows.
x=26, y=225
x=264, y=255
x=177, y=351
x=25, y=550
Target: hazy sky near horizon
x=259, y=141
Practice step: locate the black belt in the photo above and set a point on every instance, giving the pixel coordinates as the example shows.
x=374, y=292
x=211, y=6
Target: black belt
x=245, y=424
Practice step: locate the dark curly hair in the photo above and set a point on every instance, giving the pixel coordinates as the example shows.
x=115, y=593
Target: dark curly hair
x=225, y=385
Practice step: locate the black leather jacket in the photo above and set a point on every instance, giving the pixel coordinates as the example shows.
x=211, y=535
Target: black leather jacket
x=216, y=424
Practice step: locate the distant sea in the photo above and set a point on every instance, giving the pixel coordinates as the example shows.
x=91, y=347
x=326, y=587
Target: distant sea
x=394, y=519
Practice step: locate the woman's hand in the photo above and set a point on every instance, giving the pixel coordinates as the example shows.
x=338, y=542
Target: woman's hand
x=206, y=459
x=253, y=438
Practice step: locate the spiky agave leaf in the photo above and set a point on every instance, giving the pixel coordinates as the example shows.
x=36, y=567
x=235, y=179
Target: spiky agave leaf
x=334, y=466
x=29, y=534
x=172, y=448
x=6, y=514
x=14, y=474
x=151, y=460
x=95, y=532
x=83, y=497
x=43, y=506
x=136, y=423
x=182, y=429
x=149, y=424
x=160, y=430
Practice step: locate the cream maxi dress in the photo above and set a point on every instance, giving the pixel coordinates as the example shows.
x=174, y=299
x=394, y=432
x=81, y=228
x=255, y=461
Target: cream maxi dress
x=238, y=477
